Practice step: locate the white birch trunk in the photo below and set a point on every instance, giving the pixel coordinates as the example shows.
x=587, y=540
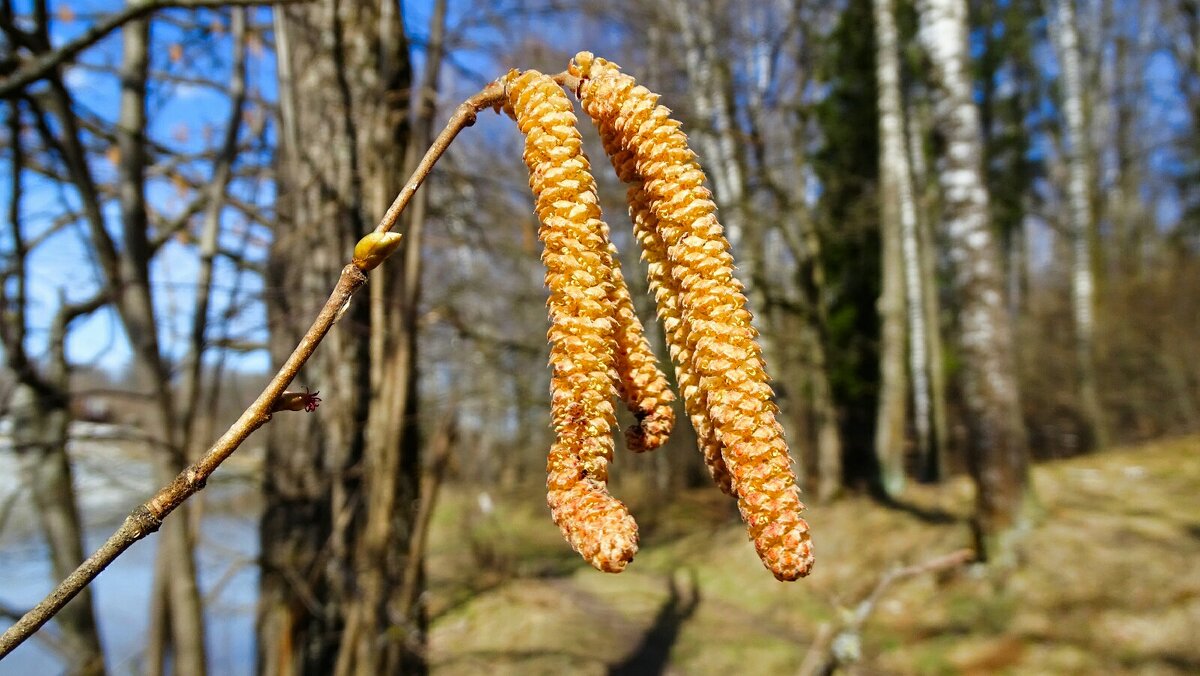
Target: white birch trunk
x=917, y=118
x=1079, y=197
x=998, y=446
x=894, y=167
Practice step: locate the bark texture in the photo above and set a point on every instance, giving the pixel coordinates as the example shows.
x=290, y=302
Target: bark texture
x=343, y=487
x=998, y=448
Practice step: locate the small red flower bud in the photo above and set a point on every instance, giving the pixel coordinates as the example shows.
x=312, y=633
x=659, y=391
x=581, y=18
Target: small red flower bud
x=311, y=401
x=298, y=401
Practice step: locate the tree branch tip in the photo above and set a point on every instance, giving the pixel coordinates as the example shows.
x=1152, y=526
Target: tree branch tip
x=570, y=82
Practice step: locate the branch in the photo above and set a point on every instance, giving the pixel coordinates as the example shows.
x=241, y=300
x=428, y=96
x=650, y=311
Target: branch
x=492, y=96
x=45, y=63
x=835, y=647
x=464, y=116
x=148, y=517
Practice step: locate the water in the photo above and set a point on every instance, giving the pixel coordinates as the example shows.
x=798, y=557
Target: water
x=226, y=558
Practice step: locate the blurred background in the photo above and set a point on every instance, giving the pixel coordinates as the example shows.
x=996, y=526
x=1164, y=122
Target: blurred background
x=969, y=231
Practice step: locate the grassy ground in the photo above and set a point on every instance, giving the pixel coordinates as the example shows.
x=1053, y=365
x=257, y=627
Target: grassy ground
x=1110, y=584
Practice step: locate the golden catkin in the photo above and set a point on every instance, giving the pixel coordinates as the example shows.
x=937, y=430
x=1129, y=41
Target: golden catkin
x=645, y=388
x=649, y=148
x=579, y=277
x=642, y=386
x=666, y=294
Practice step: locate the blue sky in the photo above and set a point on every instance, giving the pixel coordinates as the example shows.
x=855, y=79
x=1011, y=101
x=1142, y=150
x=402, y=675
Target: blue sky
x=185, y=117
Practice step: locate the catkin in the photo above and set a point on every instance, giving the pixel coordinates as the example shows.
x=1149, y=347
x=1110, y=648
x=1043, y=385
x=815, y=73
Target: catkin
x=648, y=147
x=580, y=280
x=641, y=384
x=666, y=294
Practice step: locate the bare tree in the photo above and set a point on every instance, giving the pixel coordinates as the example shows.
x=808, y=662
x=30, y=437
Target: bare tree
x=125, y=279
x=180, y=608
x=40, y=410
x=342, y=497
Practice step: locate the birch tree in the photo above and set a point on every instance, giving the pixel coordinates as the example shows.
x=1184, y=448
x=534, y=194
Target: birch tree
x=998, y=451
x=902, y=257
x=916, y=116
x=1082, y=225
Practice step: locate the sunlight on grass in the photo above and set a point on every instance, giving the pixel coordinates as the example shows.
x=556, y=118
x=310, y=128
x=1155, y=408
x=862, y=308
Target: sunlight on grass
x=1108, y=584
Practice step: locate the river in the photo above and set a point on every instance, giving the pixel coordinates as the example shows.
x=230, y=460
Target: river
x=110, y=481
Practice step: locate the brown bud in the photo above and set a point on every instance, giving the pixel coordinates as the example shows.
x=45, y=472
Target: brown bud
x=297, y=401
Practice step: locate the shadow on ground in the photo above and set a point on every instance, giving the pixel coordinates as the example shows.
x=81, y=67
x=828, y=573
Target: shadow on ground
x=653, y=654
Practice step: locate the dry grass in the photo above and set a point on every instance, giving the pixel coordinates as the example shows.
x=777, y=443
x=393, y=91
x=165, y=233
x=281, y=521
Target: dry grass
x=1109, y=585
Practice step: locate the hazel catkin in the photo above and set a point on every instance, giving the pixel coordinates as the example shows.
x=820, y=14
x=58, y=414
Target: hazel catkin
x=641, y=384
x=580, y=280
x=649, y=149
x=666, y=293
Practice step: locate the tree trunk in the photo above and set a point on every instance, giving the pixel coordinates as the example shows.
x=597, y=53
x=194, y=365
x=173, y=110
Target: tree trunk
x=137, y=314
x=810, y=279
x=936, y=463
x=343, y=487
x=891, y=414
x=1079, y=195
x=998, y=449
x=901, y=257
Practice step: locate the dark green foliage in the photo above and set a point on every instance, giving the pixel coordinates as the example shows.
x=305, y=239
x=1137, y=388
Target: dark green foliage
x=847, y=164
x=1005, y=34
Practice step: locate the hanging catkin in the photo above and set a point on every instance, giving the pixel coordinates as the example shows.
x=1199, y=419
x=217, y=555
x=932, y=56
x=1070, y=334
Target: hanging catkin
x=649, y=149
x=666, y=293
x=582, y=332
x=641, y=384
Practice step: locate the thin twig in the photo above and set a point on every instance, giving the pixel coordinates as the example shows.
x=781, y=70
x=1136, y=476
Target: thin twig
x=148, y=517
x=491, y=96
x=823, y=657
x=464, y=116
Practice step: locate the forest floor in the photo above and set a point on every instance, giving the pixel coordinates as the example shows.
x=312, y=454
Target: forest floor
x=1109, y=583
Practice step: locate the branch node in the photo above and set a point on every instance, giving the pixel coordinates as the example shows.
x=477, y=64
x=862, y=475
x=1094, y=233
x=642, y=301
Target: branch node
x=144, y=522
